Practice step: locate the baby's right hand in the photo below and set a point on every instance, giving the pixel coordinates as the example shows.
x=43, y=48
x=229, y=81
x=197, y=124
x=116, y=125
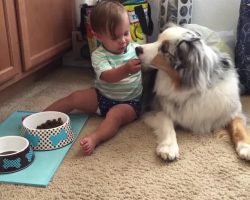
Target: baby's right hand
x=133, y=66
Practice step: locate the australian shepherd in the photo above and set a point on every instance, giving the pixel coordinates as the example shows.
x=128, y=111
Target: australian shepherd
x=196, y=87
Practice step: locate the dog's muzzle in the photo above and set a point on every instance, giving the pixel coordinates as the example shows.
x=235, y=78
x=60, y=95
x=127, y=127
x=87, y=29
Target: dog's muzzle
x=138, y=50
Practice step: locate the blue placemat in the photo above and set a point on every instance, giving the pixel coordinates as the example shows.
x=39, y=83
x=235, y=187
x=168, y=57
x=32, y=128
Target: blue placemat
x=43, y=168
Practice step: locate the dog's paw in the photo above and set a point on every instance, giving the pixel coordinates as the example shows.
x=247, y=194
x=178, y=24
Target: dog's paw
x=168, y=151
x=243, y=150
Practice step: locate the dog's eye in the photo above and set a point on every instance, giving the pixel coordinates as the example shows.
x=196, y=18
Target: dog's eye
x=225, y=63
x=164, y=47
x=198, y=34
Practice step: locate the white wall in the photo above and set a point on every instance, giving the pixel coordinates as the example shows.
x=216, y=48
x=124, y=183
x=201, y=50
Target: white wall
x=218, y=15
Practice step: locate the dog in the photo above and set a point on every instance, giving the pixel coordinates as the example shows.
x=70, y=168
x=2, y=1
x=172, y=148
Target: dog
x=196, y=87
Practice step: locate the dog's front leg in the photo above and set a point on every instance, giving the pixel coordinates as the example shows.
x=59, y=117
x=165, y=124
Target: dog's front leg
x=163, y=126
x=240, y=137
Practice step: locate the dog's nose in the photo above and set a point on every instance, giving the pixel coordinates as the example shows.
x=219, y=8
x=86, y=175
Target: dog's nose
x=138, y=50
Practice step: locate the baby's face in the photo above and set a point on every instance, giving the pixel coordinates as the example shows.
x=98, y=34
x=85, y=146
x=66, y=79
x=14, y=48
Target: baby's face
x=119, y=44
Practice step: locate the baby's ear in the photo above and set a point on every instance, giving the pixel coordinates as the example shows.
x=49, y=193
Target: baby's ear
x=98, y=36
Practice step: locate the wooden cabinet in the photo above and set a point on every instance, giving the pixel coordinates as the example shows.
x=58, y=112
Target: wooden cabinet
x=45, y=29
x=32, y=34
x=10, y=64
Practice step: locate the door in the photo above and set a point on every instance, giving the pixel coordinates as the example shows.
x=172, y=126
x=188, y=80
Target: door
x=10, y=64
x=45, y=29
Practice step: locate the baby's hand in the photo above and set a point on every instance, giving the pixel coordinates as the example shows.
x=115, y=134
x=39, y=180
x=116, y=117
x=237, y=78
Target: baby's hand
x=133, y=66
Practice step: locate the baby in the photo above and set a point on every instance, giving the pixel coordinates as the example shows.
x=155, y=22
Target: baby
x=118, y=85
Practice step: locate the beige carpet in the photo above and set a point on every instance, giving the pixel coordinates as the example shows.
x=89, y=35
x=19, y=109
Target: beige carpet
x=126, y=167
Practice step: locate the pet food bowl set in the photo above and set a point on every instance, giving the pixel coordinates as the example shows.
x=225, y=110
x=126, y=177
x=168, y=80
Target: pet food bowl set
x=16, y=152
x=48, y=138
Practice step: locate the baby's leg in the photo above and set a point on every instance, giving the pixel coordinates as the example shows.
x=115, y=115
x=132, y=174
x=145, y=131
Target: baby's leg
x=117, y=116
x=83, y=100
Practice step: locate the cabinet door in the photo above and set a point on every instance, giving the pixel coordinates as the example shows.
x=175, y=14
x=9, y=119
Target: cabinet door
x=10, y=64
x=45, y=29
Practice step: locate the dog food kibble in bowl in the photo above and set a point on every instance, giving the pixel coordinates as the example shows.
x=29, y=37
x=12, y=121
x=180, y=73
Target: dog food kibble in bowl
x=51, y=124
x=48, y=130
x=15, y=154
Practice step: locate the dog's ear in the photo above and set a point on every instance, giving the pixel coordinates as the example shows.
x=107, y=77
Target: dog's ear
x=188, y=59
x=187, y=50
x=165, y=46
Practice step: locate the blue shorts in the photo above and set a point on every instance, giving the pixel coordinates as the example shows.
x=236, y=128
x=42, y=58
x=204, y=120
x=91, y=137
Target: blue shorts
x=105, y=104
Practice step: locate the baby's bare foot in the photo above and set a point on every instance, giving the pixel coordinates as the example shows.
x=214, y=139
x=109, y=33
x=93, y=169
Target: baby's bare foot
x=88, y=145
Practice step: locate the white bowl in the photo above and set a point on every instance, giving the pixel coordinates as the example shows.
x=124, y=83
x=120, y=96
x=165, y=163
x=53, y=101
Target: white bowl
x=15, y=154
x=50, y=138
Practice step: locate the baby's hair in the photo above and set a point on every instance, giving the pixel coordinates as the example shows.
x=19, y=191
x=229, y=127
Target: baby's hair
x=106, y=16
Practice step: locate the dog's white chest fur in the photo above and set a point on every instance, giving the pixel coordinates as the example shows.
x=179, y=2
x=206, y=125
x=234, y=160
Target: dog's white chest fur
x=199, y=112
